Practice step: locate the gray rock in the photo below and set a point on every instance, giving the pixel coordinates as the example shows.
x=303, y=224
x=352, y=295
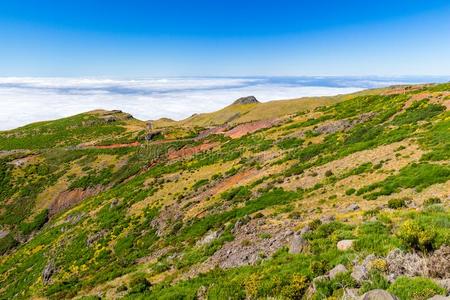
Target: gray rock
x=327, y=219
x=337, y=270
x=208, y=238
x=48, y=272
x=445, y=283
x=95, y=237
x=345, y=245
x=297, y=245
x=246, y=100
x=378, y=295
x=360, y=273
x=439, y=297
x=351, y=207
x=350, y=294
x=3, y=233
x=305, y=230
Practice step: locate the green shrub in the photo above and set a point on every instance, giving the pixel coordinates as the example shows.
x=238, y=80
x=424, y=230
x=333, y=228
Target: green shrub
x=416, y=236
x=417, y=288
x=419, y=110
x=296, y=288
x=199, y=184
x=417, y=176
x=335, y=286
x=6, y=243
x=397, y=203
x=376, y=280
x=350, y=191
x=139, y=284
x=289, y=143
x=431, y=201
x=38, y=221
x=375, y=237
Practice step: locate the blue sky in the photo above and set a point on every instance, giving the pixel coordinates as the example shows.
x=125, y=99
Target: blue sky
x=224, y=38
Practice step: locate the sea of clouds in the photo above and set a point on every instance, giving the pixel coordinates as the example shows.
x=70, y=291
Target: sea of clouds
x=29, y=99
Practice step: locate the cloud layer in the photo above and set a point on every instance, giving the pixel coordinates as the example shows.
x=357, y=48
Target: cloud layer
x=29, y=99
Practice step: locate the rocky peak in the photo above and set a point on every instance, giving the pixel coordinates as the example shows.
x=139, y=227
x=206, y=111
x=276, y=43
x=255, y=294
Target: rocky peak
x=246, y=100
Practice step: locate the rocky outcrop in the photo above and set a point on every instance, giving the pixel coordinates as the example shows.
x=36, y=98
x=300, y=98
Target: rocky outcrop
x=339, y=269
x=407, y=264
x=209, y=237
x=246, y=100
x=342, y=125
x=360, y=271
x=298, y=244
x=438, y=264
x=48, y=272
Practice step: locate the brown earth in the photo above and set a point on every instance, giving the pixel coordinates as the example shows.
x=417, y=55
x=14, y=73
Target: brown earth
x=243, y=129
x=189, y=151
x=69, y=198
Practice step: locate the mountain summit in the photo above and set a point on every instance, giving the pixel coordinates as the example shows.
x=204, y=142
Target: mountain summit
x=246, y=100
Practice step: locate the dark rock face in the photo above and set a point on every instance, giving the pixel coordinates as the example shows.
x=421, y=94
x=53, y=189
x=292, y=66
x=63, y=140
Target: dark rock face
x=246, y=100
x=150, y=136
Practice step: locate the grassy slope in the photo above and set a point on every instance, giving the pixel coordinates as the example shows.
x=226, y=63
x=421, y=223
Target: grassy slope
x=146, y=224
x=236, y=114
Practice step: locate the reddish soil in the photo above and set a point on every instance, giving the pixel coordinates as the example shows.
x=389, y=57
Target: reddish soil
x=114, y=146
x=243, y=129
x=189, y=151
x=68, y=199
x=214, y=130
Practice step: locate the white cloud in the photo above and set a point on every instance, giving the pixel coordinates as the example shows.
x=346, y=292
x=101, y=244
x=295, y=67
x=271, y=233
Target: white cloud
x=27, y=99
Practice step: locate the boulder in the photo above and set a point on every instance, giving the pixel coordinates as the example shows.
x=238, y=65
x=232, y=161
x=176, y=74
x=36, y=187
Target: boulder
x=345, y=245
x=208, y=238
x=360, y=273
x=350, y=208
x=337, y=270
x=298, y=244
x=350, y=294
x=439, y=297
x=445, y=283
x=305, y=230
x=378, y=295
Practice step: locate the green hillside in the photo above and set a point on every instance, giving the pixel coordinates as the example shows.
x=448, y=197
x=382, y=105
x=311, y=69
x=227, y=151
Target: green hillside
x=316, y=198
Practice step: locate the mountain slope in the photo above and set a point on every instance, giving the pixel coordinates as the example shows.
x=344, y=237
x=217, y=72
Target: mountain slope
x=290, y=199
